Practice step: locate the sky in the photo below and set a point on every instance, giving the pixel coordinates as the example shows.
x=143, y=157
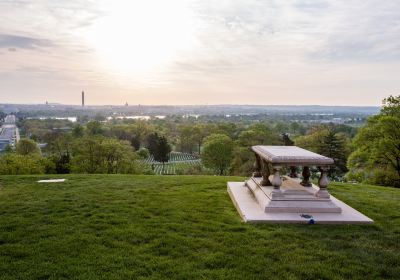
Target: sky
x=179, y=52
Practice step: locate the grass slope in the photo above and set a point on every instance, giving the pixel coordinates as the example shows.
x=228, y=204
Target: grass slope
x=186, y=227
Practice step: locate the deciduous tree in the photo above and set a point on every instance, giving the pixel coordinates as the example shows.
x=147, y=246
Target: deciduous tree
x=27, y=147
x=217, y=152
x=377, y=147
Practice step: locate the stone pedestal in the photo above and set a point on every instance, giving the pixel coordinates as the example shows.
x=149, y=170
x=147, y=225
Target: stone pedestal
x=269, y=196
x=291, y=198
x=251, y=211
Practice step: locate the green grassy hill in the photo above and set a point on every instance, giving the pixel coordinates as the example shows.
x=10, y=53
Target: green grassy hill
x=182, y=227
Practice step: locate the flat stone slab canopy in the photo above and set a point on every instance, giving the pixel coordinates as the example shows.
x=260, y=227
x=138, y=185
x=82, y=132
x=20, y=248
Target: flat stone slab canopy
x=270, y=197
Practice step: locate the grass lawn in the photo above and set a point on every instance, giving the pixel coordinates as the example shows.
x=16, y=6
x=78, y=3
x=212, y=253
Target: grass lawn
x=182, y=227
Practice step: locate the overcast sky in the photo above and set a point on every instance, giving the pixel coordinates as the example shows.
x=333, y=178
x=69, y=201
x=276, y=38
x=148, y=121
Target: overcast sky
x=199, y=51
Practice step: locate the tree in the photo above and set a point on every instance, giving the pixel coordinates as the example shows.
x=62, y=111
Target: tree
x=159, y=147
x=199, y=133
x=85, y=155
x=17, y=164
x=217, y=152
x=117, y=156
x=135, y=142
x=376, y=158
x=152, y=143
x=325, y=141
x=62, y=164
x=140, y=130
x=334, y=146
x=77, y=131
x=186, y=138
x=59, y=149
x=242, y=162
x=243, y=158
x=286, y=140
x=94, y=128
x=380, y=140
x=163, y=150
x=98, y=154
x=27, y=147
x=143, y=153
x=391, y=106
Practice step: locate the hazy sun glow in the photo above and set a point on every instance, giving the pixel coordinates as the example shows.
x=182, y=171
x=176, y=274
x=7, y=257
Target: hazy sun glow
x=141, y=37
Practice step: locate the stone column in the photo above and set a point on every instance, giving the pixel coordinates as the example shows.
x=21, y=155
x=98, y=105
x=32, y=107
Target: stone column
x=266, y=172
x=306, y=177
x=293, y=172
x=323, y=183
x=276, y=181
x=257, y=167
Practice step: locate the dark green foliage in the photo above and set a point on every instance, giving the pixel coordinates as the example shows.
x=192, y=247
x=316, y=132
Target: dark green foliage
x=158, y=147
x=334, y=147
x=242, y=161
x=163, y=150
x=286, y=140
x=182, y=227
x=135, y=142
x=325, y=141
x=63, y=164
x=152, y=142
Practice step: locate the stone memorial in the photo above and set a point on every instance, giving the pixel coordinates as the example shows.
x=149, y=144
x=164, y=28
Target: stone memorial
x=270, y=196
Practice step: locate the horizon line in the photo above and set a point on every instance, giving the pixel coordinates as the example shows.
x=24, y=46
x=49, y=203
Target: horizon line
x=184, y=105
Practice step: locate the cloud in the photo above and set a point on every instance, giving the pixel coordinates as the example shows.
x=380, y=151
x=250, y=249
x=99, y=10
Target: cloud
x=244, y=46
x=13, y=42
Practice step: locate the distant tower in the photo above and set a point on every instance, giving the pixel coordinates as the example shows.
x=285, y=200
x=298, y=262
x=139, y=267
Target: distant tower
x=83, y=99
x=126, y=104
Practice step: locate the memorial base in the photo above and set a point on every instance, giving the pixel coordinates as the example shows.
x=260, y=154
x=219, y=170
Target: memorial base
x=258, y=204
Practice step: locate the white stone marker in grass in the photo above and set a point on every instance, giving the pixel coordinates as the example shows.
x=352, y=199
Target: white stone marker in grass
x=270, y=197
x=52, y=181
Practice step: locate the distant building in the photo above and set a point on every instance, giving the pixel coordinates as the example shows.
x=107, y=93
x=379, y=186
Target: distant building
x=83, y=99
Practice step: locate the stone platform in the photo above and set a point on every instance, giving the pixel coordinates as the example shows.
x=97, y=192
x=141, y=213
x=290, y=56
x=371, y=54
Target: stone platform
x=291, y=198
x=293, y=204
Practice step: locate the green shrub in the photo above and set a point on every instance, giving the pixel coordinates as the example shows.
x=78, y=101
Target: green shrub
x=16, y=164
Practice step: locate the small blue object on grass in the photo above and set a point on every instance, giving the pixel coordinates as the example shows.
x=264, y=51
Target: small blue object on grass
x=310, y=218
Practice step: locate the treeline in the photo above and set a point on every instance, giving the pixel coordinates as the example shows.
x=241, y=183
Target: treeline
x=121, y=146
x=370, y=154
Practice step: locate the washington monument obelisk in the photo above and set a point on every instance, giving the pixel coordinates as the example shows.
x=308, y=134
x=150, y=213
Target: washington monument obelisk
x=83, y=99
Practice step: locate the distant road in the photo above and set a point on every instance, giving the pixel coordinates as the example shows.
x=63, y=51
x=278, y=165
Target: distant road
x=9, y=133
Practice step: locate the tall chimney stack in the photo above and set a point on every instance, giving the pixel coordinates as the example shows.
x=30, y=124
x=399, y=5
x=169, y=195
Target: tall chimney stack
x=83, y=99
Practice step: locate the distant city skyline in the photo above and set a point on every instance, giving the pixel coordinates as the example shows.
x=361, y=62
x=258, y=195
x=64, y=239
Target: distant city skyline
x=178, y=52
